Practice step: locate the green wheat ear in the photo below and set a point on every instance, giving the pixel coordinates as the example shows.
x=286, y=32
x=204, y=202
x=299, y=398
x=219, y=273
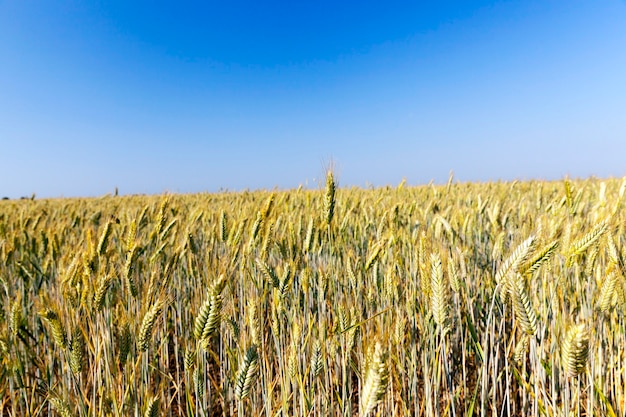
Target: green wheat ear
x=575, y=350
x=198, y=382
x=247, y=373
x=152, y=409
x=208, y=319
x=60, y=406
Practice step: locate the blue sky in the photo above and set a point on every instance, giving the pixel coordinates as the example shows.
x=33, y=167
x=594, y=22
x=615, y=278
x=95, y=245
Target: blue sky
x=189, y=96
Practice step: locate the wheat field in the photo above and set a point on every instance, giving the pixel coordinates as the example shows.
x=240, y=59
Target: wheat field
x=462, y=299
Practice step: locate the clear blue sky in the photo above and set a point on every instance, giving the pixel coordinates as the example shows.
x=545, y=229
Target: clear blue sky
x=154, y=96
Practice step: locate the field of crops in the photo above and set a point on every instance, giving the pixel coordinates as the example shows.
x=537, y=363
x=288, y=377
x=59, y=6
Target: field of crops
x=494, y=299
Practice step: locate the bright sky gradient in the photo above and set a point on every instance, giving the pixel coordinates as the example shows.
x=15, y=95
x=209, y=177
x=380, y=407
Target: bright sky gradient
x=154, y=96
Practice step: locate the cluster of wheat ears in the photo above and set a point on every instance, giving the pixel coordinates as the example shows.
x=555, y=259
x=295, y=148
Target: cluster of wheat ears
x=494, y=299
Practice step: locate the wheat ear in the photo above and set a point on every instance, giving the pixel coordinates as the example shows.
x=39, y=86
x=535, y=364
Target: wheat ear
x=575, y=350
x=329, y=197
x=439, y=302
x=61, y=406
x=376, y=381
x=519, y=255
x=247, y=373
x=152, y=409
x=522, y=307
x=58, y=331
x=147, y=325
x=77, y=351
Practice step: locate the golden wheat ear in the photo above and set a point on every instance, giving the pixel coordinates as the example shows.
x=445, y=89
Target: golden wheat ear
x=376, y=381
x=439, y=302
x=77, y=351
x=329, y=198
x=575, y=350
x=58, y=331
x=518, y=257
x=524, y=311
x=608, y=292
x=317, y=360
x=147, y=325
x=582, y=244
x=104, y=283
